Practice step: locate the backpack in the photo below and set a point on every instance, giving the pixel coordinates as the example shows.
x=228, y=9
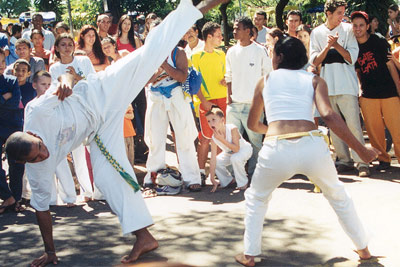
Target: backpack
x=193, y=80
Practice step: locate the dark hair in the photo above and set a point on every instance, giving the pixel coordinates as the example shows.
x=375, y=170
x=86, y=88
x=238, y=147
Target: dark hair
x=23, y=41
x=293, y=51
x=215, y=110
x=131, y=33
x=276, y=32
x=39, y=74
x=62, y=25
x=37, y=15
x=332, y=5
x=303, y=27
x=58, y=40
x=36, y=31
x=262, y=13
x=17, y=146
x=23, y=62
x=108, y=39
x=295, y=13
x=209, y=28
x=97, y=50
x=26, y=24
x=16, y=28
x=246, y=23
x=394, y=7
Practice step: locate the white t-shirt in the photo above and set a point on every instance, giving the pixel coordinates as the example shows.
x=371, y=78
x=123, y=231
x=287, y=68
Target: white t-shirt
x=262, y=35
x=49, y=38
x=82, y=65
x=341, y=77
x=245, y=65
x=199, y=47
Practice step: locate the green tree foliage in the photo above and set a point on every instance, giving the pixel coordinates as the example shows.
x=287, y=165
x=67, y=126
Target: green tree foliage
x=84, y=12
x=9, y=9
x=57, y=6
x=375, y=8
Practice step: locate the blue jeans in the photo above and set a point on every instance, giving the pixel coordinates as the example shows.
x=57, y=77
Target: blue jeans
x=237, y=114
x=16, y=171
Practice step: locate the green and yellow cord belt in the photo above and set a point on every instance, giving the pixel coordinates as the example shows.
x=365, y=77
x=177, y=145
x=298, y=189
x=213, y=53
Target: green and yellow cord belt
x=116, y=165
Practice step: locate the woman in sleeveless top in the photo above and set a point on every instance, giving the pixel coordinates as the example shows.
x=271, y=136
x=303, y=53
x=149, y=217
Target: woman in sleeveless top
x=293, y=145
x=126, y=37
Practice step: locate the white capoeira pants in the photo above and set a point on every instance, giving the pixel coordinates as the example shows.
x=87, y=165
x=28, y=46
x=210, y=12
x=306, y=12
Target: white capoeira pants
x=82, y=171
x=281, y=159
x=110, y=93
x=63, y=185
x=238, y=161
x=160, y=111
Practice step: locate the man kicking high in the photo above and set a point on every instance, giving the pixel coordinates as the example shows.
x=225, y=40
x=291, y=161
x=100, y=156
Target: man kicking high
x=95, y=111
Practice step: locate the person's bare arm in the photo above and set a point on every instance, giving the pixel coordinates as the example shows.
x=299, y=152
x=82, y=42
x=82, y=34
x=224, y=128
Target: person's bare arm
x=335, y=122
x=256, y=109
x=206, y=104
x=234, y=146
x=343, y=52
x=46, y=229
x=206, y=5
x=65, y=85
x=180, y=72
x=229, y=97
x=395, y=74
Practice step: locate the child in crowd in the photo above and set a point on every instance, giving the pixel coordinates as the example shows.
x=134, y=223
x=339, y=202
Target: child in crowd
x=235, y=151
x=37, y=39
x=22, y=70
x=303, y=33
x=10, y=122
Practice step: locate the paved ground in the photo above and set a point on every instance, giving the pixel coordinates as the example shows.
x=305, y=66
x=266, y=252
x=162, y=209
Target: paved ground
x=205, y=229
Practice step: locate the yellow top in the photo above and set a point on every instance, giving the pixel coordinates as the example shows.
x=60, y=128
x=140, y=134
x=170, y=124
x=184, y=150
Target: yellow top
x=212, y=68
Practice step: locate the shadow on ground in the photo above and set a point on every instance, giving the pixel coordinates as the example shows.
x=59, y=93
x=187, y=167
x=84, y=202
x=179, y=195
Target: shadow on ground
x=90, y=236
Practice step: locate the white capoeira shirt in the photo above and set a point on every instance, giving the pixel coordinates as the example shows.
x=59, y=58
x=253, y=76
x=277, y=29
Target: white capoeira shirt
x=82, y=65
x=96, y=107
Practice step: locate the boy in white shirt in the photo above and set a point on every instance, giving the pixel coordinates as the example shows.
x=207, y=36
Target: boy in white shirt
x=235, y=151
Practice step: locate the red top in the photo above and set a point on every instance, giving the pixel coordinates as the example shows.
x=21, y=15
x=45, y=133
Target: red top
x=122, y=46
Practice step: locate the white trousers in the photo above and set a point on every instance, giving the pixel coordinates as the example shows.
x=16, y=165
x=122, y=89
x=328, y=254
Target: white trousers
x=280, y=160
x=113, y=90
x=160, y=111
x=63, y=185
x=82, y=171
x=238, y=161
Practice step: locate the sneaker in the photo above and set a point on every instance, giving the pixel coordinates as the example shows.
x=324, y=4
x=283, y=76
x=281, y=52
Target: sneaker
x=343, y=168
x=363, y=171
x=168, y=190
x=203, y=179
x=383, y=165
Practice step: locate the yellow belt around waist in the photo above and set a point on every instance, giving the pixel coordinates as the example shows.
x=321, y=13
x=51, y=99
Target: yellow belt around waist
x=297, y=135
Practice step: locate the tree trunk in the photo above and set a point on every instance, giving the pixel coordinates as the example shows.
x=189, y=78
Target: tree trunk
x=279, y=13
x=222, y=9
x=115, y=7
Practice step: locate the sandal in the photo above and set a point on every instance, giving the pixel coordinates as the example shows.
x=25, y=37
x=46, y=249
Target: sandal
x=194, y=188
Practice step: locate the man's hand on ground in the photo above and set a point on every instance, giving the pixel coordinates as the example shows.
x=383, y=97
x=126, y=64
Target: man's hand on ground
x=44, y=260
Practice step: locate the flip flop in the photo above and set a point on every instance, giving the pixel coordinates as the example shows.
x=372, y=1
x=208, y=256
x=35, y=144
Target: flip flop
x=194, y=188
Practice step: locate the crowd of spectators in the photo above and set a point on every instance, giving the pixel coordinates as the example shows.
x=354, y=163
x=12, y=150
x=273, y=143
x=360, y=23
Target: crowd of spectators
x=358, y=63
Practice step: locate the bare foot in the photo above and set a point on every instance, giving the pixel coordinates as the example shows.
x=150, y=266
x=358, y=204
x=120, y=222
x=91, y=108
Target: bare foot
x=145, y=242
x=44, y=260
x=245, y=260
x=364, y=254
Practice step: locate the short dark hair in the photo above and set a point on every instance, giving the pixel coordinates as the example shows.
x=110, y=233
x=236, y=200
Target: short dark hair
x=16, y=28
x=37, y=15
x=39, y=74
x=332, y=5
x=295, y=13
x=17, y=146
x=209, y=28
x=62, y=25
x=262, y=13
x=23, y=41
x=23, y=62
x=394, y=7
x=58, y=40
x=303, y=27
x=246, y=23
x=36, y=31
x=215, y=110
x=276, y=32
x=293, y=51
